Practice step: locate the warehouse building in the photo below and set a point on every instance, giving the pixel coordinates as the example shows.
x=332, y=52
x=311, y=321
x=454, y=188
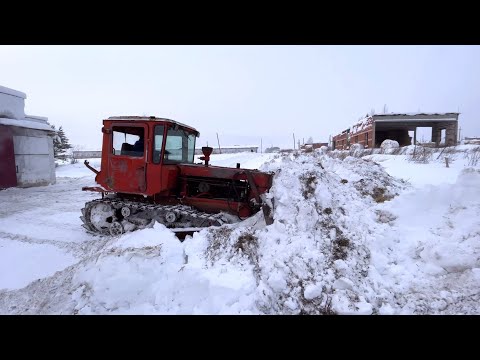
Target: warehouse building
x=26, y=144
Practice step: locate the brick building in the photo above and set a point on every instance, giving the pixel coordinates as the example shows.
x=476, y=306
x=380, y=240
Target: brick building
x=372, y=130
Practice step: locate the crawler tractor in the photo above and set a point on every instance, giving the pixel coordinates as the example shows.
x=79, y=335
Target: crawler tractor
x=148, y=174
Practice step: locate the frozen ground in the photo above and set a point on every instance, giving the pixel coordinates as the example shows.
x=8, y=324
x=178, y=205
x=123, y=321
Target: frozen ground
x=348, y=238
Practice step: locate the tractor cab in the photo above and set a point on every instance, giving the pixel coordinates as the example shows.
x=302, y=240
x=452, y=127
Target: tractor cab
x=140, y=154
x=169, y=142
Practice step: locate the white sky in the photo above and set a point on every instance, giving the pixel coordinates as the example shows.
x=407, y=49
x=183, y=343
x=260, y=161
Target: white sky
x=244, y=93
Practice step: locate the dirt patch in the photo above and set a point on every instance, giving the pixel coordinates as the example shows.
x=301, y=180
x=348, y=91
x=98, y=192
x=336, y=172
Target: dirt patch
x=218, y=239
x=223, y=243
x=379, y=195
x=340, y=246
x=375, y=189
x=309, y=182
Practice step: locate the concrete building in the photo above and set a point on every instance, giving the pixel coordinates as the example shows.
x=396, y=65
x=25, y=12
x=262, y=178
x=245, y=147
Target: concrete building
x=230, y=149
x=87, y=154
x=372, y=130
x=472, y=141
x=312, y=146
x=26, y=144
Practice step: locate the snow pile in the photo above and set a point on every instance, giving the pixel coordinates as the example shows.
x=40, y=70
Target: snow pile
x=429, y=261
x=389, y=144
x=314, y=259
x=139, y=273
x=362, y=124
x=356, y=150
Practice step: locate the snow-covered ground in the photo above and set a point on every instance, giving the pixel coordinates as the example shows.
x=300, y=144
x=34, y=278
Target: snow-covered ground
x=348, y=238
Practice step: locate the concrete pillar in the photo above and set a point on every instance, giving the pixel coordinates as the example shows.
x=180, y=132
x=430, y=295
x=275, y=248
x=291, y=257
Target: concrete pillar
x=436, y=134
x=451, y=133
x=415, y=136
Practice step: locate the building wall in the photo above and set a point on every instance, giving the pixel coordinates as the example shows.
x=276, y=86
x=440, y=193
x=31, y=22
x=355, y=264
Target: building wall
x=227, y=150
x=313, y=146
x=343, y=141
x=84, y=154
x=35, y=164
x=12, y=103
x=32, y=139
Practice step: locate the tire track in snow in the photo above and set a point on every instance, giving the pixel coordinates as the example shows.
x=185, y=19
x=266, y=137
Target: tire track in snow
x=78, y=250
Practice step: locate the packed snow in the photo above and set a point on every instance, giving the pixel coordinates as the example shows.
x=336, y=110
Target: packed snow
x=379, y=233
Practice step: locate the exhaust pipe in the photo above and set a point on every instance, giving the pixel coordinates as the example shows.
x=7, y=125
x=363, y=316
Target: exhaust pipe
x=206, y=152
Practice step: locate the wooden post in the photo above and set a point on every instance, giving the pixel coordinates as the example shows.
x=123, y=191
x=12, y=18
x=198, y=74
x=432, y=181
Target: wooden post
x=219, y=149
x=446, y=162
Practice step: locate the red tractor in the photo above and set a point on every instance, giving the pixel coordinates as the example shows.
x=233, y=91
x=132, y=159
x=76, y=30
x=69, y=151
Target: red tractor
x=148, y=174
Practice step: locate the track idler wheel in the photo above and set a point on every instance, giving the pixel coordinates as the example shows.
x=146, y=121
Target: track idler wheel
x=116, y=228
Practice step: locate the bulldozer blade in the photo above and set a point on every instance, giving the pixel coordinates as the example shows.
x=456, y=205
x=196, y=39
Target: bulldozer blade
x=182, y=233
x=267, y=214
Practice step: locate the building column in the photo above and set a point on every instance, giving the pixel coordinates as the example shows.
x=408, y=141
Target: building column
x=436, y=134
x=451, y=134
x=415, y=136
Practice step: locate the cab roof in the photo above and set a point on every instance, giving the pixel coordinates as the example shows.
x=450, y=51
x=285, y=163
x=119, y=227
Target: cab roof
x=151, y=118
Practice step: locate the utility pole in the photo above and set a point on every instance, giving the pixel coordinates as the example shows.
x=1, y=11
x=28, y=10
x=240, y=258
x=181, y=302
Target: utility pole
x=293, y=141
x=219, y=149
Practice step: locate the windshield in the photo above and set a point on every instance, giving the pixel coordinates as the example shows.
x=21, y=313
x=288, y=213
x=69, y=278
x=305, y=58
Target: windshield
x=179, y=147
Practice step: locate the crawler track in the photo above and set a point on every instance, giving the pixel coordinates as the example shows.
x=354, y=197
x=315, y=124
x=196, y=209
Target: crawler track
x=116, y=216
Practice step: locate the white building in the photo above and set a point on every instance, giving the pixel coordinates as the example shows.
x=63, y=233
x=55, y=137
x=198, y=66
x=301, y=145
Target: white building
x=230, y=149
x=26, y=144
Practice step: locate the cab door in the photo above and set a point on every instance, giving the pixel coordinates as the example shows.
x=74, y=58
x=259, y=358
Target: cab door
x=128, y=158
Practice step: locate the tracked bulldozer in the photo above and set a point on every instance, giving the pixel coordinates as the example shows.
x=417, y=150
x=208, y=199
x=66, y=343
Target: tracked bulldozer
x=148, y=174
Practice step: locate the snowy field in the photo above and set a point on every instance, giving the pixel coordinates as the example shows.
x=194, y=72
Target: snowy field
x=372, y=235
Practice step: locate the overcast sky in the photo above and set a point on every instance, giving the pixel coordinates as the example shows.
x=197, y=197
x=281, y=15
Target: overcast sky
x=244, y=93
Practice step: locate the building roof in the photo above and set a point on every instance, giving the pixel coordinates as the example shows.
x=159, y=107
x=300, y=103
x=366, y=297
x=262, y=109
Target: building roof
x=415, y=114
x=369, y=119
x=12, y=92
x=453, y=116
x=26, y=123
x=151, y=118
